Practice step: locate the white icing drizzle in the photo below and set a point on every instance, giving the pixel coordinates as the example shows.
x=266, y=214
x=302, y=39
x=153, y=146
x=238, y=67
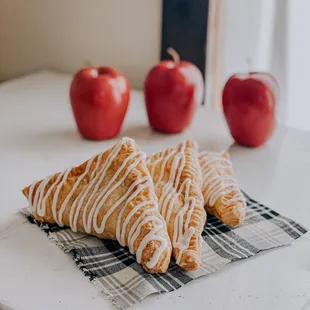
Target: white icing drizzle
x=95, y=202
x=215, y=184
x=171, y=191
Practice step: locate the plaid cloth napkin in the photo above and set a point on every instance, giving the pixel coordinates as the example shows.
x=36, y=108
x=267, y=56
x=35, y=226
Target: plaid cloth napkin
x=115, y=271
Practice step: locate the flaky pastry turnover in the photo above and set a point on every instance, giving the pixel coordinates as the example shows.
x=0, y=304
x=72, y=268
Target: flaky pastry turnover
x=222, y=196
x=110, y=196
x=177, y=179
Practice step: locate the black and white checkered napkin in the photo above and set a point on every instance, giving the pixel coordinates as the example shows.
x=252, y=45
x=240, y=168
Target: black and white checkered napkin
x=115, y=271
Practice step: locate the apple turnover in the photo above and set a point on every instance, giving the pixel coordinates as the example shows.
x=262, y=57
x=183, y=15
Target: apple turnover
x=177, y=179
x=222, y=196
x=110, y=196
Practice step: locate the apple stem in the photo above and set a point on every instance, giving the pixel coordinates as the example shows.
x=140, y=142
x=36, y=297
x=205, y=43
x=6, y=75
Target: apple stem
x=87, y=63
x=174, y=54
x=249, y=64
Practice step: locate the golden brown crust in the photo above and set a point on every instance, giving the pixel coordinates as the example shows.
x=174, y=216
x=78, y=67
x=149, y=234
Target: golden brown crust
x=229, y=210
x=93, y=193
x=173, y=196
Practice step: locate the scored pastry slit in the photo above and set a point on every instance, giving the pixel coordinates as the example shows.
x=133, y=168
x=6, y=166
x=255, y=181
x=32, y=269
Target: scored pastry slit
x=110, y=196
x=177, y=179
x=222, y=196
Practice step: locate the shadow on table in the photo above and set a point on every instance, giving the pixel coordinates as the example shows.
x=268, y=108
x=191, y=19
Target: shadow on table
x=63, y=139
x=144, y=133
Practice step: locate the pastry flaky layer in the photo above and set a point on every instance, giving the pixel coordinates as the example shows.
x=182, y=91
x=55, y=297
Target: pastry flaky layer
x=177, y=179
x=110, y=196
x=222, y=196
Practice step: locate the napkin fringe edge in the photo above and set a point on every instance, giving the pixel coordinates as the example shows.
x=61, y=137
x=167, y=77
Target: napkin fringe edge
x=93, y=279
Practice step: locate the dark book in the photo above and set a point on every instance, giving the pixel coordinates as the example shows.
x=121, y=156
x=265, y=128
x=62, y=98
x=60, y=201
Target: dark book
x=184, y=28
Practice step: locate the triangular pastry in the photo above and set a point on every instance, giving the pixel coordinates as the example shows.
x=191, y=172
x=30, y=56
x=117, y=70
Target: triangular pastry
x=110, y=196
x=222, y=196
x=177, y=180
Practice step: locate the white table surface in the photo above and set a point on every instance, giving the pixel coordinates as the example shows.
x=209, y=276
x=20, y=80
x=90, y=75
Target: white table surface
x=38, y=137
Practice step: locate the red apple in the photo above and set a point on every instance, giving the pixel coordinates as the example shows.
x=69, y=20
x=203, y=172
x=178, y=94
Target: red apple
x=99, y=99
x=249, y=102
x=173, y=89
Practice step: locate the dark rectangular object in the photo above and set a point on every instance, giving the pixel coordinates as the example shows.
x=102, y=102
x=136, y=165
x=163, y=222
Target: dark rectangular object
x=184, y=28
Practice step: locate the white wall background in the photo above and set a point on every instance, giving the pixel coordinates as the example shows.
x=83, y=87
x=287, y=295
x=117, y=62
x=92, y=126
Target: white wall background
x=247, y=34
x=298, y=64
x=247, y=39
x=274, y=34
x=65, y=34
x=279, y=57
